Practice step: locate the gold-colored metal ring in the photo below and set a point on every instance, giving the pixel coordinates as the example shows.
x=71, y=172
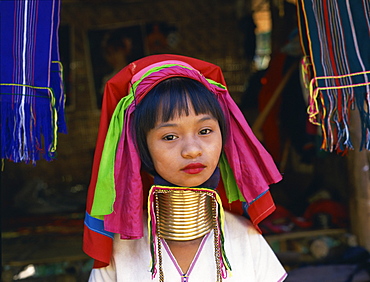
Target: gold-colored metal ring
x=184, y=215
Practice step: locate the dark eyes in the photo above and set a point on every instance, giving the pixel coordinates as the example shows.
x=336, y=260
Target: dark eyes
x=172, y=137
x=205, y=131
x=169, y=137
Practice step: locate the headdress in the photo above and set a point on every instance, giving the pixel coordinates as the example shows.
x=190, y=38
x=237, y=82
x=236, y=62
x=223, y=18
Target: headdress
x=115, y=197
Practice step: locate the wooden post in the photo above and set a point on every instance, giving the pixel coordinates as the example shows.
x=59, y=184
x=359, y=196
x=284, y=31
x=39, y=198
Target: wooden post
x=359, y=179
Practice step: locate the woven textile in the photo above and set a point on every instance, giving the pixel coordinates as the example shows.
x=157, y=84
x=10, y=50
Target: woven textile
x=31, y=88
x=335, y=37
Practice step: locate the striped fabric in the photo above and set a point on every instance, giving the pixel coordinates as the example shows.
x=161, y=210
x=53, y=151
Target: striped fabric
x=335, y=36
x=31, y=88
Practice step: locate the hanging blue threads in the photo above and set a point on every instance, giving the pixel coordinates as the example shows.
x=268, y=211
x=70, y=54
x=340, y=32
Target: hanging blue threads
x=31, y=80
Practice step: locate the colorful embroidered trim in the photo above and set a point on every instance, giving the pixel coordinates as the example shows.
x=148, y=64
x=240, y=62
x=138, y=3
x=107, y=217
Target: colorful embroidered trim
x=96, y=225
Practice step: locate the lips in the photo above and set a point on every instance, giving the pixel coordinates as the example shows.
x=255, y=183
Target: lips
x=193, y=168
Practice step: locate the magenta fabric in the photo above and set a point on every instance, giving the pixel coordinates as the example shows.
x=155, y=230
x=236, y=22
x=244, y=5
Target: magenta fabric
x=126, y=218
x=253, y=167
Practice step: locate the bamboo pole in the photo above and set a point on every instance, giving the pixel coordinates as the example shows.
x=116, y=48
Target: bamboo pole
x=359, y=179
x=257, y=125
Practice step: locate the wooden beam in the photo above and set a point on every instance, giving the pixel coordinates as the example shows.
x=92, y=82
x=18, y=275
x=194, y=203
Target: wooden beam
x=359, y=179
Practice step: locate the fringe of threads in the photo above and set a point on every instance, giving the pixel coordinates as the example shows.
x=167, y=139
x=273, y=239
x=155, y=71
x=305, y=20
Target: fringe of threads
x=60, y=96
x=28, y=125
x=331, y=99
x=152, y=236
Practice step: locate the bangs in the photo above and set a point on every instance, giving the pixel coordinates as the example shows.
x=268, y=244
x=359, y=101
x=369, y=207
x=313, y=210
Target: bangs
x=178, y=95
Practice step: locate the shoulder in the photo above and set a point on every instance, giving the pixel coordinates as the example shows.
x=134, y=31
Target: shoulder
x=240, y=229
x=240, y=224
x=242, y=237
x=249, y=252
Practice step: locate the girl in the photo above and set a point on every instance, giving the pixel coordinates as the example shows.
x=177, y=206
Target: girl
x=178, y=132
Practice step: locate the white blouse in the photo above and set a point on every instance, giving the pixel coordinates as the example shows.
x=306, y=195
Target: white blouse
x=250, y=257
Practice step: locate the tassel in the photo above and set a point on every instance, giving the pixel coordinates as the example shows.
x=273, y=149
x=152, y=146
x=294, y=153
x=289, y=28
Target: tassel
x=29, y=124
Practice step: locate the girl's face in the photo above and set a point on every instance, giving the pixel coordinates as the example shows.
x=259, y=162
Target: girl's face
x=186, y=150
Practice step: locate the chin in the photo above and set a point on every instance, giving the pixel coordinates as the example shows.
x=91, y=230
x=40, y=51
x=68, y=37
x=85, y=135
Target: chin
x=191, y=180
x=192, y=183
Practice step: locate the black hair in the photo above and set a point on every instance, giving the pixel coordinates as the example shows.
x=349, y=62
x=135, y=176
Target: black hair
x=168, y=100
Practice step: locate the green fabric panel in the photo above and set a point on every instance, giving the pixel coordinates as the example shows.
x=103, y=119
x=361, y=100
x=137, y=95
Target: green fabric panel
x=216, y=83
x=231, y=188
x=149, y=72
x=105, y=192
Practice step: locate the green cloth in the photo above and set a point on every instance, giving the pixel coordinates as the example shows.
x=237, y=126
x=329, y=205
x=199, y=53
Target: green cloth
x=105, y=191
x=231, y=188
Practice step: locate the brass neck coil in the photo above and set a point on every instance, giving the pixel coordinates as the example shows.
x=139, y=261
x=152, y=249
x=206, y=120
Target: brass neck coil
x=183, y=215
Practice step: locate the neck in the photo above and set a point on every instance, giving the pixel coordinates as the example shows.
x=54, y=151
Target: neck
x=183, y=215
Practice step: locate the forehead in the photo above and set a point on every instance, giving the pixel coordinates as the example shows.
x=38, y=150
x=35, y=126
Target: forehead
x=169, y=110
x=189, y=119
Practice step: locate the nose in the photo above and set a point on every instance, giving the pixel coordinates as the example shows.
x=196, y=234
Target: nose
x=191, y=149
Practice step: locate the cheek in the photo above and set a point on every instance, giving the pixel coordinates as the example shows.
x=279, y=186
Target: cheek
x=217, y=154
x=160, y=159
x=216, y=148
